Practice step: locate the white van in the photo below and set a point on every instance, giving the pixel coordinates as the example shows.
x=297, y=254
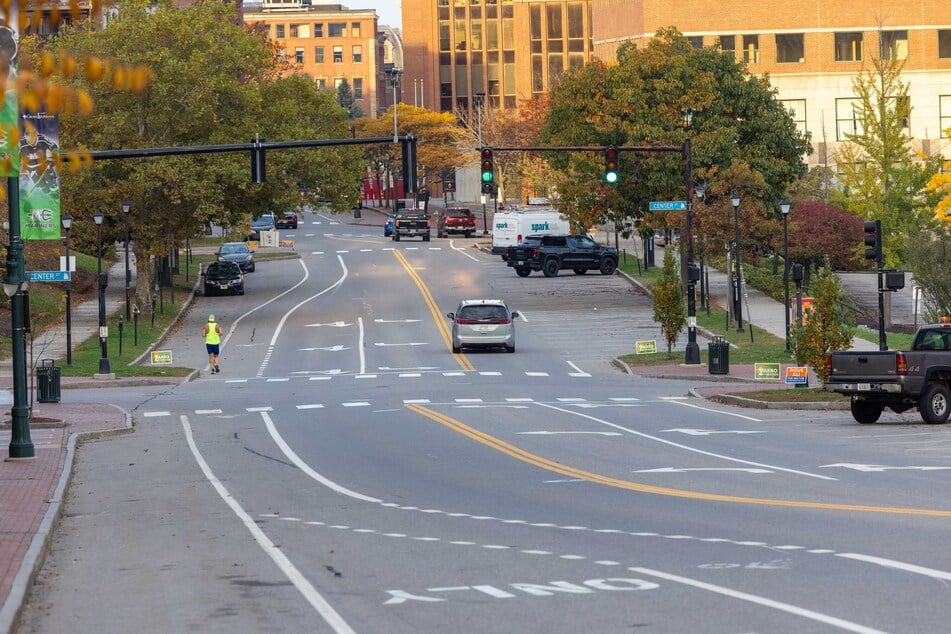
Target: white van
x=510, y=227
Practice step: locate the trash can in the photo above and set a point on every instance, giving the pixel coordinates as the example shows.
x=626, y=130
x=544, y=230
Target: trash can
x=47, y=382
x=718, y=356
x=357, y=213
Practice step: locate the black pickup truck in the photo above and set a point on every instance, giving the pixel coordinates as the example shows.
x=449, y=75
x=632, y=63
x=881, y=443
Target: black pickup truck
x=411, y=223
x=898, y=380
x=552, y=253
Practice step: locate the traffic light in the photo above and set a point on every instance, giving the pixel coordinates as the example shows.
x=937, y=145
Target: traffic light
x=258, y=165
x=610, y=165
x=488, y=171
x=873, y=241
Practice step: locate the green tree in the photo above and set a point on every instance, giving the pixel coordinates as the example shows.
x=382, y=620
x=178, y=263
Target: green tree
x=642, y=100
x=879, y=178
x=346, y=100
x=825, y=327
x=669, y=308
x=929, y=259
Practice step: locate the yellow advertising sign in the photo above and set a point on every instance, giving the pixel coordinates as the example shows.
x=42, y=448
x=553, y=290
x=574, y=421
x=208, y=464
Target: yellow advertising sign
x=161, y=357
x=766, y=371
x=645, y=347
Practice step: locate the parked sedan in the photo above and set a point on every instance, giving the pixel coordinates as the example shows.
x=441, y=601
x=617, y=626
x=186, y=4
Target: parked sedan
x=239, y=253
x=483, y=323
x=223, y=278
x=287, y=221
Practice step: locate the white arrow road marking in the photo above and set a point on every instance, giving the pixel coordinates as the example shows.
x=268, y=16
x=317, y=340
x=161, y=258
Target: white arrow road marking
x=877, y=467
x=554, y=433
x=707, y=432
x=336, y=348
x=676, y=470
x=411, y=343
x=396, y=321
x=333, y=324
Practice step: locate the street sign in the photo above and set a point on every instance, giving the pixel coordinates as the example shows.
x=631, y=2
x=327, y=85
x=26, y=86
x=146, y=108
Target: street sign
x=49, y=276
x=766, y=371
x=161, y=357
x=668, y=205
x=645, y=347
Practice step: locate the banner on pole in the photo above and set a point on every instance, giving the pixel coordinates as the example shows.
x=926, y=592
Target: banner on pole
x=39, y=180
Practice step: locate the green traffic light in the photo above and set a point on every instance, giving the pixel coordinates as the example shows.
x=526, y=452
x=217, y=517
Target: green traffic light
x=610, y=177
x=486, y=177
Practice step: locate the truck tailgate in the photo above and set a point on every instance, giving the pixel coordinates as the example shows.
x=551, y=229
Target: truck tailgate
x=873, y=366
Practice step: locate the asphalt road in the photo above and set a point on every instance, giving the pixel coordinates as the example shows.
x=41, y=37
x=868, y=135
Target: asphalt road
x=345, y=472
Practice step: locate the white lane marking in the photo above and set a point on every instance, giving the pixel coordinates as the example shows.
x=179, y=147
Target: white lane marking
x=453, y=373
x=364, y=376
x=286, y=315
x=361, y=347
x=536, y=374
x=680, y=401
x=410, y=343
x=554, y=433
x=310, y=594
x=259, y=409
x=153, y=414
x=452, y=245
x=623, y=399
x=685, y=447
x=337, y=348
x=490, y=374
x=421, y=401
x=311, y=406
x=319, y=378
x=520, y=400
x=207, y=411
x=332, y=324
x=707, y=432
x=236, y=381
x=897, y=565
x=356, y=404
x=396, y=321
x=686, y=469
x=278, y=380
x=578, y=371
x=570, y=399
x=763, y=601
x=468, y=400
x=409, y=375
x=870, y=468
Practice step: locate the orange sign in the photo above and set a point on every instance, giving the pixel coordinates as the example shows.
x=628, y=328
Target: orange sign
x=797, y=375
x=806, y=307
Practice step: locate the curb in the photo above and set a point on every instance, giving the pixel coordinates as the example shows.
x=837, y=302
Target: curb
x=740, y=401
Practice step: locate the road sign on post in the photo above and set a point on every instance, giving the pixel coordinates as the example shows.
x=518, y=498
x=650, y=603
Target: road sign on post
x=49, y=276
x=668, y=205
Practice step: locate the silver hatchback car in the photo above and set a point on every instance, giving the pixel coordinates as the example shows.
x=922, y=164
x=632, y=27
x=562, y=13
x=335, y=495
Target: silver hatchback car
x=483, y=323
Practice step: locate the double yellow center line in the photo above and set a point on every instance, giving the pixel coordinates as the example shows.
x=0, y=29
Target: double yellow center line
x=438, y=317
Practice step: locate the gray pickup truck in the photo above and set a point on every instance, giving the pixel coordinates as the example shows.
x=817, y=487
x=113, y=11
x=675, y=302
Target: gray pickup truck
x=898, y=380
x=411, y=223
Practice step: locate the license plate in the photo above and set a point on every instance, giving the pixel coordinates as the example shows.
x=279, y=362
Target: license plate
x=223, y=287
x=864, y=387
x=521, y=262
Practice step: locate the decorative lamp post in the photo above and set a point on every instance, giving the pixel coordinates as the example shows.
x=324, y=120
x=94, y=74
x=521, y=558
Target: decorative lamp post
x=737, y=300
x=393, y=78
x=126, y=206
x=14, y=282
x=700, y=191
x=479, y=101
x=692, y=352
x=103, y=330
x=784, y=207
x=67, y=221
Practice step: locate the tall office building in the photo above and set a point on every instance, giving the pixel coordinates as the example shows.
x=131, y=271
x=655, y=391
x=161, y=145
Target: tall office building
x=507, y=49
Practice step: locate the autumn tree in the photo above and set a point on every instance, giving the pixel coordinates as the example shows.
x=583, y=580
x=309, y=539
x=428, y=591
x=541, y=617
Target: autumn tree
x=669, y=309
x=880, y=180
x=825, y=326
x=641, y=100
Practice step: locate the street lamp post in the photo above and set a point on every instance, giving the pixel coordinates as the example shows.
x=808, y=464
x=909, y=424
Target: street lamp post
x=21, y=445
x=67, y=221
x=103, y=332
x=479, y=100
x=393, y=77
x=737, y=299
x=126, y=206
x=692, y=352
x=700, y=191
x=784, y=207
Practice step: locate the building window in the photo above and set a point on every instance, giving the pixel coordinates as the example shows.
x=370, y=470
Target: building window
x=790, y=48
x=848, y=118
x=902, y=108
x=944, y=44
x=318, y=54
x=475, y=33
x=338, y=81
x=893, y=45
x=357, y=53
x=696, y=41
x=279, y=31
x=553, y=18
x=337, y=29
x=354, y=29
x=321, y=83
x=797, y=110
x=358, y=88
x=848, y=47
x=338, y=55
x=299, y=55
x=444, y=41
x=944, y=112
x=728, y=44
x=295, y=30
x=318, y=29
x=751, y=49
x=460, y=35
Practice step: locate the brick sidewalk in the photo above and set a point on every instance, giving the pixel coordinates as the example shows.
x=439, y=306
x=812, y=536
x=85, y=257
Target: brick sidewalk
x=31, y=491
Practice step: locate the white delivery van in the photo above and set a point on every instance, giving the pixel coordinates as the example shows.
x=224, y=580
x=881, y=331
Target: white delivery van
x=510, y=227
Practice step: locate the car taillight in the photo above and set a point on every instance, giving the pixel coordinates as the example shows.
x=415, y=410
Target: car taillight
x=535, y=253
x=499, y=322
x=518, y=238
x=428, y=224
x=396, y=223
x=465, y=322
x=901, y=364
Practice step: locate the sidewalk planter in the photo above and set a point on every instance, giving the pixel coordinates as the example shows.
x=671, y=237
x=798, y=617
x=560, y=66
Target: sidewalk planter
x=48, y=382
x=718, y=356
